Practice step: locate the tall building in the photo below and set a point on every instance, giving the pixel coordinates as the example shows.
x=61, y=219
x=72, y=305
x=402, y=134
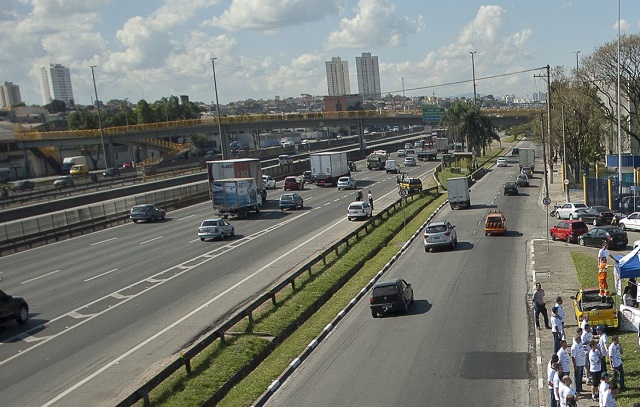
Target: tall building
x=9, y=95
x=56, y=84
x=368, y=76
x=338, y=77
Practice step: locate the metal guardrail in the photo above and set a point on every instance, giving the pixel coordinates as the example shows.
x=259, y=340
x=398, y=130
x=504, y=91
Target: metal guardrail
x=219, y=332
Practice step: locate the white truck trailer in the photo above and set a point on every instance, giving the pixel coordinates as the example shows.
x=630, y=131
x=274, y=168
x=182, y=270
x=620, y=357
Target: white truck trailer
x=527, y=157
x=235, y=197
x=458, y=192
x=237, y=168
x=327, y=167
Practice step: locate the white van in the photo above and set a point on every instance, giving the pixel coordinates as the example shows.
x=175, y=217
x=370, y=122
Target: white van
x=285, y=159
x=391, y=166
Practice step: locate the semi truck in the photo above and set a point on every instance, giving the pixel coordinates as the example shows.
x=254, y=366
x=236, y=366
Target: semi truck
x=442, y=144
x=69, y=162
x=527, y=157
x=458, y=192
x=327, y=167
x=235, y=196
x=237, y=168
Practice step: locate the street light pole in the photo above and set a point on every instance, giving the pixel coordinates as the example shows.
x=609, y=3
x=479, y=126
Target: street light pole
x=95, y=90
x=223, y=145
x=473, y=72
x=576, y=52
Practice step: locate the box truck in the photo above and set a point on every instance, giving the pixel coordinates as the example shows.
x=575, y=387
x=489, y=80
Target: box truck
x=69, y=162
x=527, y=157
x=442, y=144
x=458, y=192
x=235, y=196
x=327, y=167
x=237, y=168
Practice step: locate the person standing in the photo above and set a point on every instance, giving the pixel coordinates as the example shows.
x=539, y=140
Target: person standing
x=603, y=345
x=539, y=307
x=556, y=329
x=587, y=337
x=615, y=358
x=565, y=390
x=578, y=357
x=552, y=371
x=595, y=359
x=604, y=254
x=560, y=310
x=370, y=196
x=603, y=389
x=564, y=359
x=610, y=399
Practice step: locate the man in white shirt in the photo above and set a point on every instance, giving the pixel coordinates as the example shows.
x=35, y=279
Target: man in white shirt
x=556, y=329
x=595, y=368
x=578, y=357
x=603, y=389
x=615, y=358
x=552, y=370
x=557, y=380
x=563, y=358
x=603, y=345
x=564, y=389
x=587, y=336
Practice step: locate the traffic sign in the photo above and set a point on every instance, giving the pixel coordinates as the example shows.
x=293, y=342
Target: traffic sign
x=546, y=201
x=566, y=182
x=432, y=114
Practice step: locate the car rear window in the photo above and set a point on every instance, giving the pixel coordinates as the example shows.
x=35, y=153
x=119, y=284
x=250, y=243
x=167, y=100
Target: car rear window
x=494, y=219
x=210, y=223
x=436, y=229
x=579, y=225
x=580, y=205
x=385, y=290
x=287, y=197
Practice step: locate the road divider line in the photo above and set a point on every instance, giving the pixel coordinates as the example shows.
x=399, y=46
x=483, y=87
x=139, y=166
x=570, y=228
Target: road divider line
x=151, y=240
x=103, y=241
x=100, y=275
x=39, y=277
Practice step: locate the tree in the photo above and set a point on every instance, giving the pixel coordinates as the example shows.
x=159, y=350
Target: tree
x=144, y=112
x=82, y=120
x=56, y=106
x=470, y=125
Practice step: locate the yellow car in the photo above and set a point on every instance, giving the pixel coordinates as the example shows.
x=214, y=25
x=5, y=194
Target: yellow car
x=79, y=169
x=412, y=185
x=587, y=301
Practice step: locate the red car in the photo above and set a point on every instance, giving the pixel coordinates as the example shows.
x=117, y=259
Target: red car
x=568, y=230
x=293, y=183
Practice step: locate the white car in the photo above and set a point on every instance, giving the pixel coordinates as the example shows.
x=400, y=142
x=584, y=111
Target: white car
x=346, y=183
x=570, y=210
x=215, y=229
x=630, y=222
x=402, y=153
x=269, y=182
x=409, y=162
x=502, y=162
x=359, y=210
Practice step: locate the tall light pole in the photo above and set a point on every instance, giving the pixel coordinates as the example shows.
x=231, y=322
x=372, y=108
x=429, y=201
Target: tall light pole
x=126, y=112
x=95, y=90
x=473, y=72
x=576, y=52
x=619, y=125
x=223, y=145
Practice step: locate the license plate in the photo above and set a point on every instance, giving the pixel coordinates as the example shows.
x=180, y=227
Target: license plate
x=386, y=307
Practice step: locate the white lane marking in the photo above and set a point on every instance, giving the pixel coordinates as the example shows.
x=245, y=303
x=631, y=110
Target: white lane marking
x=103, y=241
x=38, y=278
x=187, y=217
x=100, y=275
x=151, y=240
x=174, y=324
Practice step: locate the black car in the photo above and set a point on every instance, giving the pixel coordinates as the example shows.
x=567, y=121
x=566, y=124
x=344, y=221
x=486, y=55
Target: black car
x=23, y=185
x=390, y=296
x=111, y=172
x=146, y=212
x=306, y=176
x=597, y=215
x=510, y=188
x=13, y=307
x=612, y=235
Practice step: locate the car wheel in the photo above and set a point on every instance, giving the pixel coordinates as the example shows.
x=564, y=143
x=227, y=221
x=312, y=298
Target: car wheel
x=557, y=215
x=221, y=235
x=135, y=221
x=233, y=232
x=595, y=222
x=426, y=250
x=571, y=216
x=622, y=226
x=374, y=314
x=553, y=237
x=568, y=239
x=163, y=216
x=405, y=307
x=23, y=314
x=202, y=239
x=581, y=241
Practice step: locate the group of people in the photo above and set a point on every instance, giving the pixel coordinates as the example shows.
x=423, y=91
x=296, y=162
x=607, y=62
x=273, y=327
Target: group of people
x=369, y=198
x=587, y=353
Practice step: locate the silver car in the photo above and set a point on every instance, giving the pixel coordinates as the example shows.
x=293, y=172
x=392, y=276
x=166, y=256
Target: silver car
x=440, y=234
x=215, y=229
x=346, y=183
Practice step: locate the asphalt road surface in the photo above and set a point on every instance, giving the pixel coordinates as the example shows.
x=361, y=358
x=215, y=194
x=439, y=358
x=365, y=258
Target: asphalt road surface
x=111, y=308
x=465, y=340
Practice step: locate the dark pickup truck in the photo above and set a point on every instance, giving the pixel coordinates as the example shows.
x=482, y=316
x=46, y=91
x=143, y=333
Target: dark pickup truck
x=427, y=155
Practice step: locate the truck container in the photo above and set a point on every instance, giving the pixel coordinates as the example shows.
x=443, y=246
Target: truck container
x=458, y=192
x=327, y=167
x=527, y=157
x=442, y=144
x=427, y=154
x=238, y=168
x=235, y=196
x=69, y=162
x=376, y=161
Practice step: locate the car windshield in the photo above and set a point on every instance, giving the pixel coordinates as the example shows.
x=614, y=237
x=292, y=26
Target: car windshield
x=580, y=225
x=385, y=290
x=436, y=229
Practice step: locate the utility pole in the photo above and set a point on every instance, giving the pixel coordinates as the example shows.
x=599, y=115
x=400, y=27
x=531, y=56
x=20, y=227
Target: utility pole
x=544, y=157
x=550, y=163
x=473, y=72
x=564, y=159
x=224, y=147
x=107, y=162
x=576, y=52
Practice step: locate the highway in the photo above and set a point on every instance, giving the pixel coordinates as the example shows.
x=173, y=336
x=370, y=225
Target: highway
x=465, y=341
x=108, y=309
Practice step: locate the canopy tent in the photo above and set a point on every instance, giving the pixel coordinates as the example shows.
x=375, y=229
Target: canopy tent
x=628, y=266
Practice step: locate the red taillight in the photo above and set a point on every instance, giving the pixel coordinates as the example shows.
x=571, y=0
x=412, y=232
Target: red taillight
x=447, y=234
x=371, y=300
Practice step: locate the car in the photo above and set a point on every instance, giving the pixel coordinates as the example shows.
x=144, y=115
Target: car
x=528, y=171
x=269, y=182
x=290, y=201
x=410, y=151
x=79, y=169
x=411, y=185
x=570, y=210
x=390, y=296
x=511, y=188
x=495, y=223
x=502, y=162
x=13, y=307
x=568, y=230
x=409, y=162
x=522, y=180
x=146, y=212
x=293, y=183
x=346, y=183
x=359, y=210
x=63, y=182
x=285, y=159
x=111, y=172
x=629, y=204
x=612, y=235
x=587, y=301
x=408, y=145
x=439, y=234
x=597, y=215
x=127, y=164
x=306, y=176
x=23, y=185
x=402, y=153
x=631, y=222
x=515, y=151
x=215, y=229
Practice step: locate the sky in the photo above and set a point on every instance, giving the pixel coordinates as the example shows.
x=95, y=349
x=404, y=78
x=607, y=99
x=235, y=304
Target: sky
x=266, y=48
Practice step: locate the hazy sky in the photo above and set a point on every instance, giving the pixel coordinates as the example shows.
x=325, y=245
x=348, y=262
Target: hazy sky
x=266, y=48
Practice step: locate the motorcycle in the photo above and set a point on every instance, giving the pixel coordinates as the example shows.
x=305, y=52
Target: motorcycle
x=359, y=196
x=352, y=166
x=553, y=211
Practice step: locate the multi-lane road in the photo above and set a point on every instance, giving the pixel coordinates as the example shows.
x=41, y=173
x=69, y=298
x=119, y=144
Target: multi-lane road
x=110, y=308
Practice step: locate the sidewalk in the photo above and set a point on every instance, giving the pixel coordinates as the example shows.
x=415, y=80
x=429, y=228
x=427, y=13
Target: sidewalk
x=556, y=273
